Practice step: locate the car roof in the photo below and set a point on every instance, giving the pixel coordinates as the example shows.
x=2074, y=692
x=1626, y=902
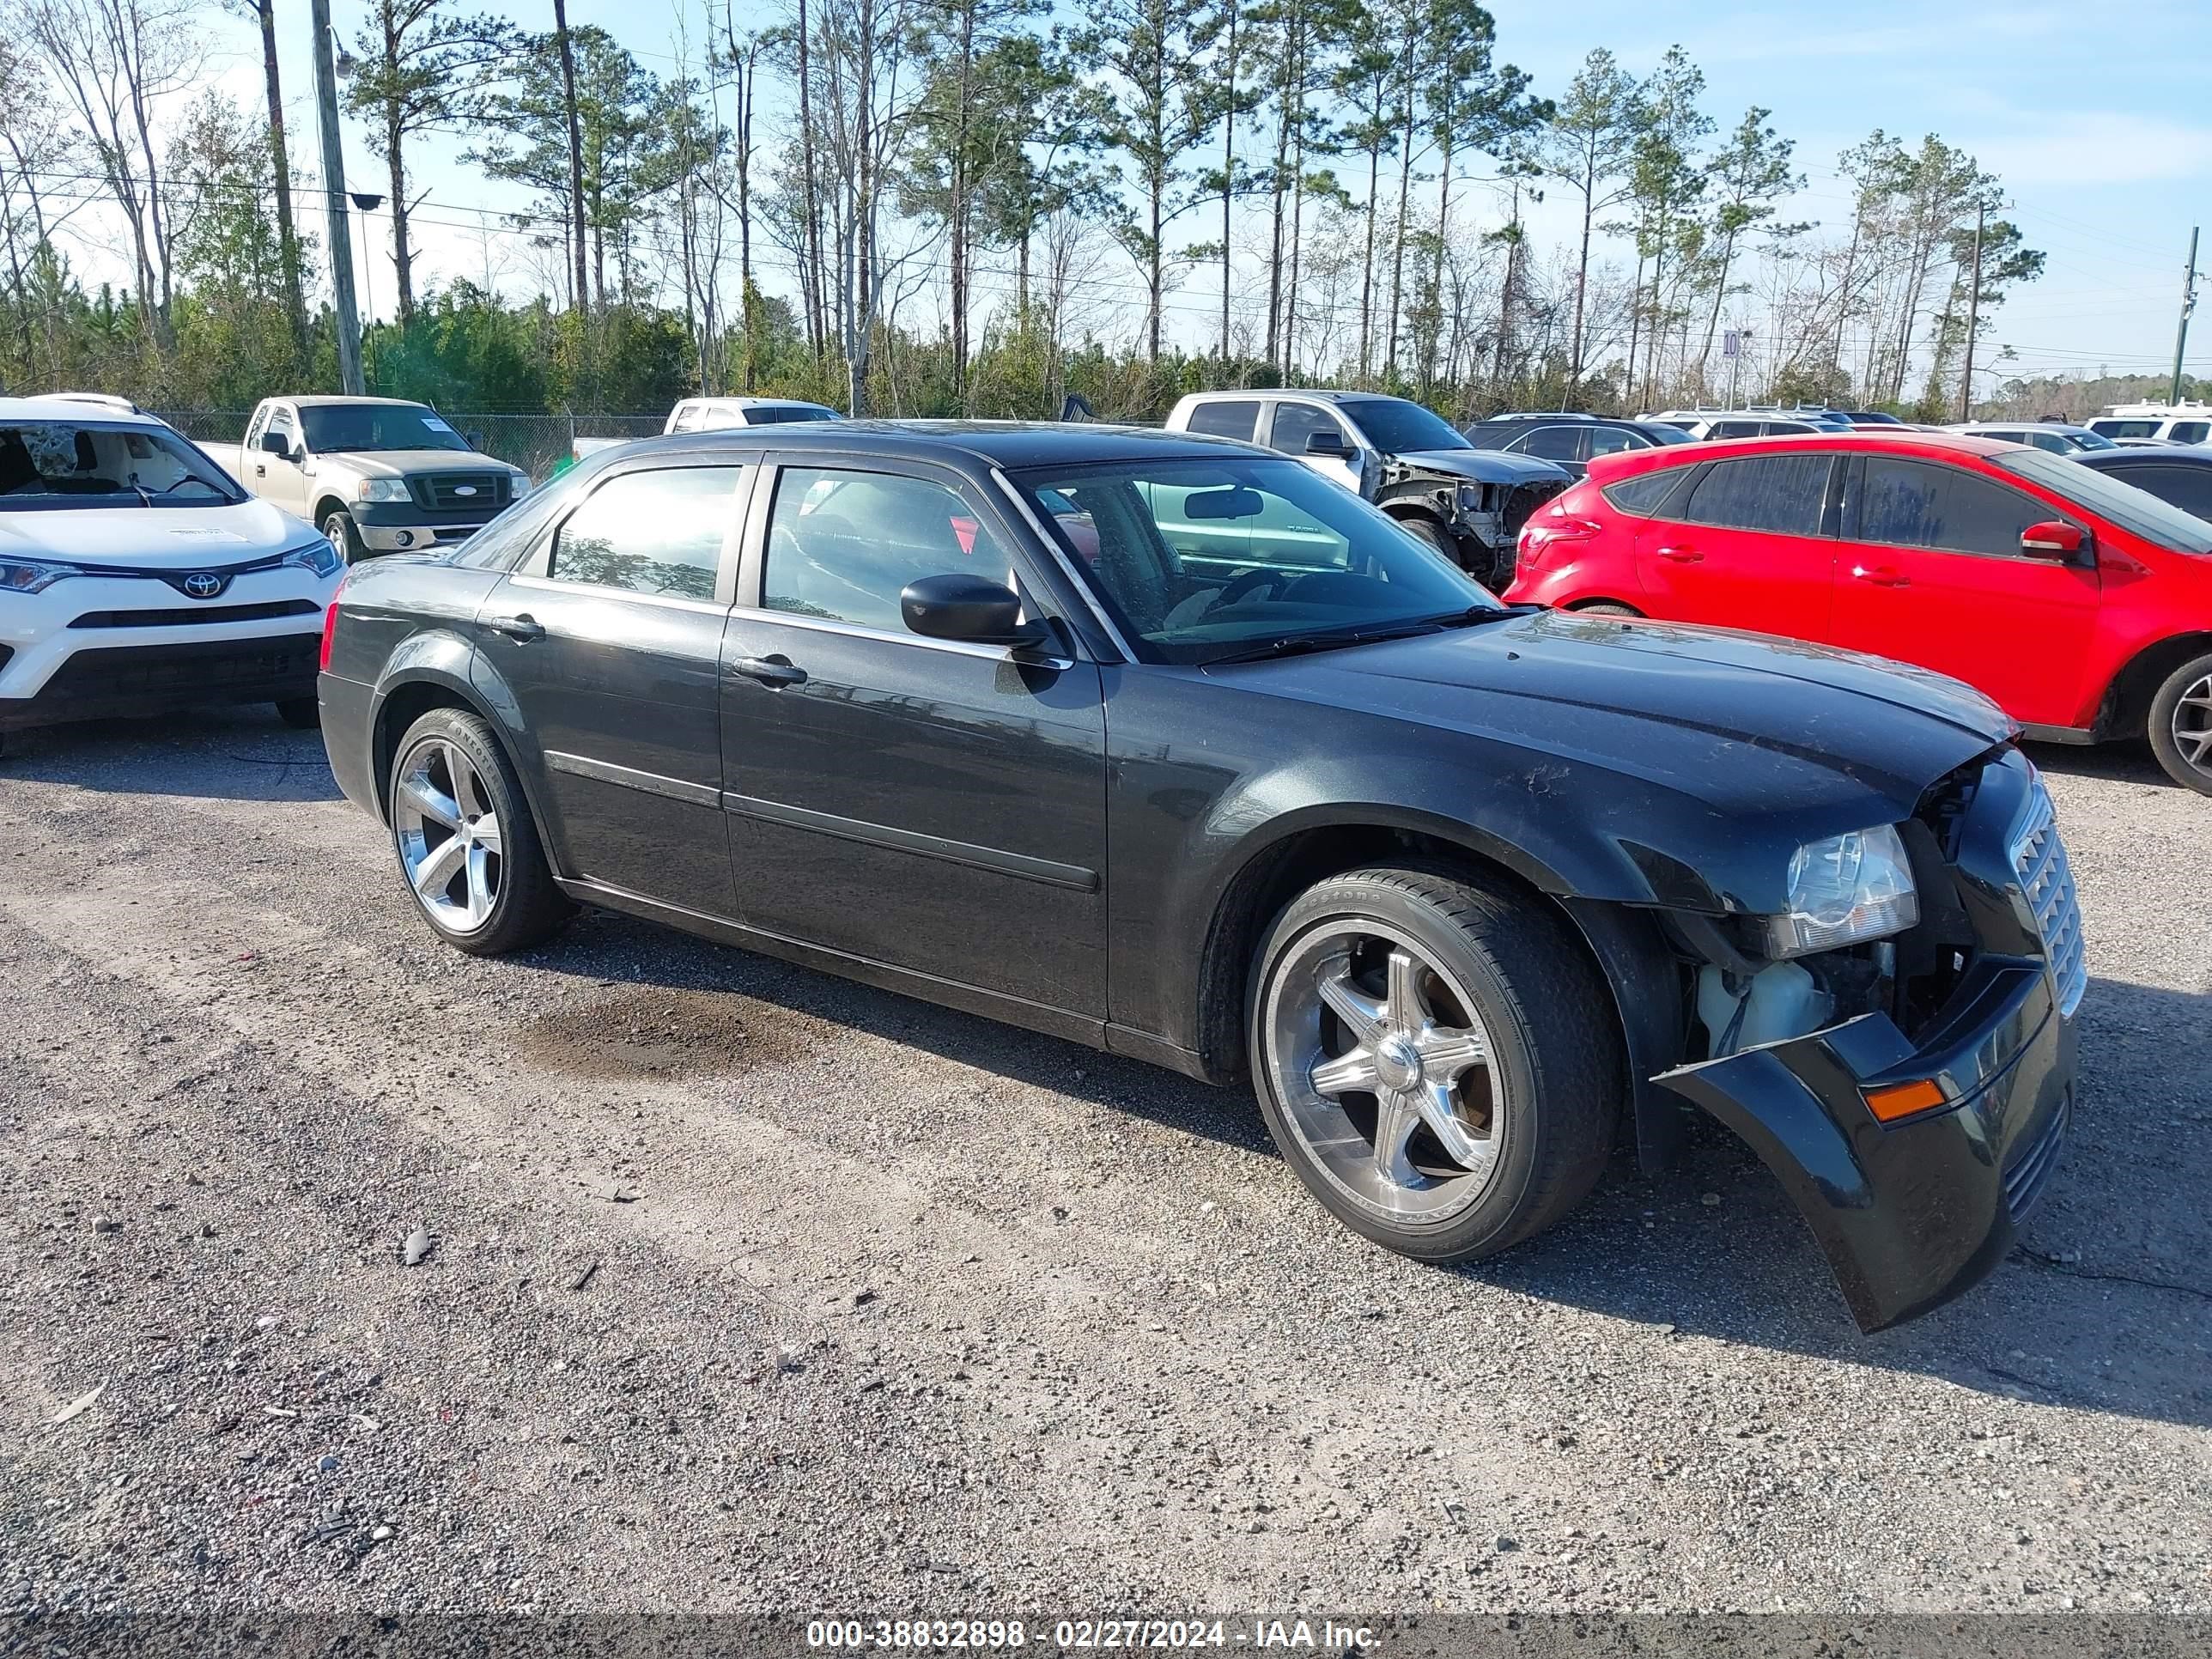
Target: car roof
x=1314, y=394
x=83, y=410
x=1867, y=441
x=995, y=443
x=751, y=403
x=318, y=399
x=2149, y=455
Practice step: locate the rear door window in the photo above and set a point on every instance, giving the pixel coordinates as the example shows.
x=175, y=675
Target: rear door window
x=1903, y=503
x=2188, y=488
x=1734, y=429
x=1779, y=494
x=1647, y=492
x=1553, y=443
x=1610, y=440
x=2189, y=432
x=659, y=533
x=1237, y=420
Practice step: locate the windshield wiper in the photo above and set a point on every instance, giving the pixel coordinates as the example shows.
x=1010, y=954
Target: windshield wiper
x=1298, y=645
x=1473, y=615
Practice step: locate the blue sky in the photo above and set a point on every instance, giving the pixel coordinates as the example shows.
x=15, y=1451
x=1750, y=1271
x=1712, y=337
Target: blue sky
x=2092, y=114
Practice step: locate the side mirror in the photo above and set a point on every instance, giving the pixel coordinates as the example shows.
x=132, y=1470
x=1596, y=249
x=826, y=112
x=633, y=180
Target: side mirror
x=972, y=609
x=273, y=443
x=474, y=441
x=2053, y=539
x=1327, y=443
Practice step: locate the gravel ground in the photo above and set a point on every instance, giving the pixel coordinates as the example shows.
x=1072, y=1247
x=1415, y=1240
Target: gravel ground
x=748, y=1288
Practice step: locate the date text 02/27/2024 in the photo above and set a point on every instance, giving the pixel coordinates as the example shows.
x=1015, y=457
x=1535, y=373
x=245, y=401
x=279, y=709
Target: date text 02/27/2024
x=947, y=1635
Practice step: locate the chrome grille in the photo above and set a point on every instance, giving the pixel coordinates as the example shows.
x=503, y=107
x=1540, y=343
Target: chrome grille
x=2039, y=858
x=486, y=491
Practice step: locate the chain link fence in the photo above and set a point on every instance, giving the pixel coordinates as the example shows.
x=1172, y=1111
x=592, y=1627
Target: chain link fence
x=540, y=444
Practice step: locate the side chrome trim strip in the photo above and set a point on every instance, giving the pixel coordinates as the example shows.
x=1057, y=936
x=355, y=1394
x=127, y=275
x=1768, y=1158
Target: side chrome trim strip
x=651, y=783
x=1073, y=875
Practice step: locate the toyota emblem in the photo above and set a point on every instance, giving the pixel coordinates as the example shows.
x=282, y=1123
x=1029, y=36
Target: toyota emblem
x=203, y=585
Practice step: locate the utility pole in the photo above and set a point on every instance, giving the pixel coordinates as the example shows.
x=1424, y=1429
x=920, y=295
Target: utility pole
x=2188, y=305
x=341, y=235
x=1973, y=316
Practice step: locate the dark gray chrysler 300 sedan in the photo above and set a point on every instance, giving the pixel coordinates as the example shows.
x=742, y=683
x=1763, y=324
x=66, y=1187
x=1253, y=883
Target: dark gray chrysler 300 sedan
x=1172, y=746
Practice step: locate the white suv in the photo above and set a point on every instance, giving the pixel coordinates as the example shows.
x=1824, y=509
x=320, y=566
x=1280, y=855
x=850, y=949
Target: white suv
x=136, y=577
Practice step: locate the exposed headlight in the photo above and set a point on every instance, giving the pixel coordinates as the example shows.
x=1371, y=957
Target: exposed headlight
x=381, y=489
x=1470, y=498
x=32, y=576
x=1844, y=890
x=518, y=484
x=318, y=556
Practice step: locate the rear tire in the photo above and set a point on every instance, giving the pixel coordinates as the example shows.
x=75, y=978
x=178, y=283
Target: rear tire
x=344, y=536
x=2181, y=724
x=1435, y=1059
x=300, y=713
x=1607, y=607
x=468, y=847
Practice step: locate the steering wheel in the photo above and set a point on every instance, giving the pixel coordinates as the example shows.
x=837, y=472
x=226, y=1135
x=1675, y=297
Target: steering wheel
x=1245, y=585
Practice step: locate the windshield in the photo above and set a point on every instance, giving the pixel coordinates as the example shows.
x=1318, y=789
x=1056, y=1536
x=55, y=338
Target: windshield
x=2087, y=439
x=62, y=464
x=2135, y=510
x=1398, y=427
x=343, y=428
x=1198, y=561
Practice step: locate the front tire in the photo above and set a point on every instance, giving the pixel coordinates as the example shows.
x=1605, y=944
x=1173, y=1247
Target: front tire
x=344, y=536
x=2181, y=724
x=1436, y=1058
x=466, y=842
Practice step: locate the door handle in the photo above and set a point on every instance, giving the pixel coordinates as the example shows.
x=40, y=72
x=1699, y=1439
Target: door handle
x=1682, y=554
x=523, y=628
x=771, y=671
x=1880, y=576
x=260, y=468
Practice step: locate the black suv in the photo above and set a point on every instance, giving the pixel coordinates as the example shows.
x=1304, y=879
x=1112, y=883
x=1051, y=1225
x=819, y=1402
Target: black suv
x=1569, y=441
x=1173, y=746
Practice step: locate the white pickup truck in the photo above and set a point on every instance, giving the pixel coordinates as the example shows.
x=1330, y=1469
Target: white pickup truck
x=374, y=475
x=1467, y=503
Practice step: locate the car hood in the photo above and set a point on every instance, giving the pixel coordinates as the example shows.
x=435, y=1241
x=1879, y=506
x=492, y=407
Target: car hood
x=404, y=462
x=154, y=538
x=1482, y=466
x=1817, y=739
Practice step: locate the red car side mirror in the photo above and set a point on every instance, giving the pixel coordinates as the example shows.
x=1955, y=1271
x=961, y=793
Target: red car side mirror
x=2055, y=540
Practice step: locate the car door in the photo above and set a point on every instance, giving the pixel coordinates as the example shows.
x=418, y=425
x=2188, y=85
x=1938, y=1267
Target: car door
x=608, y=641
x=1930, y=572
x=1745, y=547
x=1294, y=423
x=930, y=805
x=279, y=479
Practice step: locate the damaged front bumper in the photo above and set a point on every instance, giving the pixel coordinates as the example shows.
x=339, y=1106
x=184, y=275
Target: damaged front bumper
x=1914, y=1206
x=1913, y=1213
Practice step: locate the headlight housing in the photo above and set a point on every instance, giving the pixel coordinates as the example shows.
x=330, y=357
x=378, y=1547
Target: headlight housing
x=381, y=489
x=318, y=556
x=1469, y=498
x=32, y=576
x=1843, y=891
x=518, y=484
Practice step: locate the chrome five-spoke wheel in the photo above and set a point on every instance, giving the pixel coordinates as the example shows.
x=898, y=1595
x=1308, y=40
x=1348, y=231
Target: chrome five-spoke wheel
x=1384, y=1072
x=449, y=834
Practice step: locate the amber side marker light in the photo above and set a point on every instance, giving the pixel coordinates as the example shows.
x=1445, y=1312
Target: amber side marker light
x=1903, y=1100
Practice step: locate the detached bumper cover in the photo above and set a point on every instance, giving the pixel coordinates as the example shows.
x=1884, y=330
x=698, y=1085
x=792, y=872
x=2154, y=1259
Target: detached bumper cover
x=1914, y=1214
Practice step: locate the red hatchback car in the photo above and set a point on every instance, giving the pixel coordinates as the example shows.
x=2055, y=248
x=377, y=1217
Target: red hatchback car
x=2081, y=605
